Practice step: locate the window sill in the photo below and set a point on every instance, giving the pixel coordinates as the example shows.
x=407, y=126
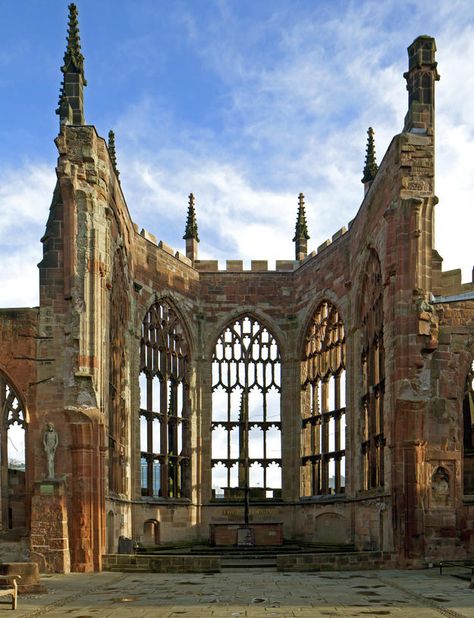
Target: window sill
x=366, y=494
x=218, y=501
x=326, y=498
x=164, y=501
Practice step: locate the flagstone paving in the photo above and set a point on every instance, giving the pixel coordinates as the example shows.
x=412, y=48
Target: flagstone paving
x=258, y=594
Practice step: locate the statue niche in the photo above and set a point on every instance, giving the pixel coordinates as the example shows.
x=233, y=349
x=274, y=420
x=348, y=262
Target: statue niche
x=440, y=490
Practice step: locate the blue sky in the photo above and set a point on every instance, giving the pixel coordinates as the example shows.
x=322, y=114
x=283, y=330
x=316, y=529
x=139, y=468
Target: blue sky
x=245, y=103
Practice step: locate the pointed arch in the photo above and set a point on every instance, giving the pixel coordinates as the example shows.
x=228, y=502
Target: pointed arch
x=250, y=312
x=13, y=432
x=323, y=384
x=246, y=412
x=164, y=403
x=324, y=295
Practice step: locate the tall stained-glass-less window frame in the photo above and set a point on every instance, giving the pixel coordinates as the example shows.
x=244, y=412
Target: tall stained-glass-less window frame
x=373, y=375
x=246, y=416
x=164, y=404
x=323, y=434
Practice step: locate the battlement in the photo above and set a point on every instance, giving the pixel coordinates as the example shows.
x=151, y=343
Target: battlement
x=234, y=266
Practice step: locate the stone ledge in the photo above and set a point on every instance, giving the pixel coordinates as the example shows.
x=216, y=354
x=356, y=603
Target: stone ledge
x=346, y=561
x=155, y=563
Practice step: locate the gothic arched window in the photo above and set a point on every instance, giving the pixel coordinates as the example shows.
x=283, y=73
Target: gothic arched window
x=323, y=436
x=246, y=420
x=468, y=433
x=13, y=458
x=164, y=406
x=373, y=376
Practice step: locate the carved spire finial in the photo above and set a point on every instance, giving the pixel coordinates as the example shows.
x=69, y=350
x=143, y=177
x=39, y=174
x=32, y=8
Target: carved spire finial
x=73, y=58
x=71, y=96
x=371, y=167
x=301, y=230
x=112, y=153
x=191, y=230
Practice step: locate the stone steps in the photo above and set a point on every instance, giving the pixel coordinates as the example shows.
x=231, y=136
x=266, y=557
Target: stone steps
x=249, y=563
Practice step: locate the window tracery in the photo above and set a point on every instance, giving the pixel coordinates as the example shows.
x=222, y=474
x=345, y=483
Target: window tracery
x=324, y=404
x=373, y=376
x=246, y=421
x=164, y=407
x=13, y=427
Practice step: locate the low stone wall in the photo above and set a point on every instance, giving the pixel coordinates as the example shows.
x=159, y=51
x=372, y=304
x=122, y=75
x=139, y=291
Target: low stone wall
x=149, y=563
x=29, y=573
x=262, y=535
x=336, y=562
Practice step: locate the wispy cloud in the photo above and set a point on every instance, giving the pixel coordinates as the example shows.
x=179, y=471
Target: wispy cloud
x=291, y=89
x=295, y=120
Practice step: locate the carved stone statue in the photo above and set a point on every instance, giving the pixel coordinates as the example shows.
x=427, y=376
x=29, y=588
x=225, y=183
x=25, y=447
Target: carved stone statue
x=50, y=443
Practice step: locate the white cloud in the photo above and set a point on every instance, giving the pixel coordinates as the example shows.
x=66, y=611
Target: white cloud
x=297, y=122
x=25, y=195
x=19, y=277
x=293, y=117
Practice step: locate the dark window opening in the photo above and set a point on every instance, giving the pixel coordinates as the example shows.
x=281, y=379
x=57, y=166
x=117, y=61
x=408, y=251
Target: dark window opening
x=373, y=377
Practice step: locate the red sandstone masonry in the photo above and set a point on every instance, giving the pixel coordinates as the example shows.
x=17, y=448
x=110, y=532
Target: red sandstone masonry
x=62, y=366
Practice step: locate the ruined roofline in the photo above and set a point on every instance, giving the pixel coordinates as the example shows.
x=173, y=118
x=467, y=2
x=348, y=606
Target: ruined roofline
x=111, y=162
x=421, y=58
x=237, y=265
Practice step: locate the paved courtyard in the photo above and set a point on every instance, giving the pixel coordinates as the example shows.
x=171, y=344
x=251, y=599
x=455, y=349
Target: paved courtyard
x=420, y=594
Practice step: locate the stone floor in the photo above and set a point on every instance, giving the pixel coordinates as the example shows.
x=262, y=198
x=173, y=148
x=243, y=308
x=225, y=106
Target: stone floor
x=420, y=594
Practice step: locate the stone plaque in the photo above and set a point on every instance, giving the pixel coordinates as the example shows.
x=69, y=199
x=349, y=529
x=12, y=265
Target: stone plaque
x=245, y=537
x=46, y=489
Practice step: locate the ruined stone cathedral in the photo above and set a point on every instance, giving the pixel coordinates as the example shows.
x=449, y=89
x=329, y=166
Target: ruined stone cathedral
x=326, y=403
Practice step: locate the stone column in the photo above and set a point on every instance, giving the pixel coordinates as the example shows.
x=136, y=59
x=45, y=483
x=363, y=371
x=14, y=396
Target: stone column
x=83, y=502
x=49, y=527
